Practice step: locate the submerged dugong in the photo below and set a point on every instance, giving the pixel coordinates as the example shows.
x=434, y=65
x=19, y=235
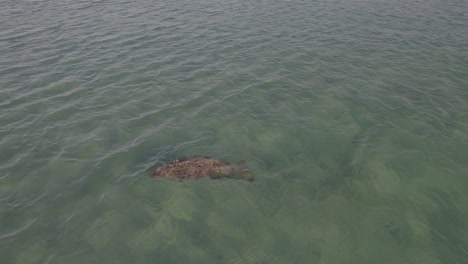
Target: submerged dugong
x=195, y=167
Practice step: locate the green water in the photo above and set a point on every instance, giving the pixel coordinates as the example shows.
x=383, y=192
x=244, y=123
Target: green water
x=352, y=115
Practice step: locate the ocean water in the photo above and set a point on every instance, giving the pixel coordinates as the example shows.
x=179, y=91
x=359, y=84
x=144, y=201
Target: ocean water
x=352, y=115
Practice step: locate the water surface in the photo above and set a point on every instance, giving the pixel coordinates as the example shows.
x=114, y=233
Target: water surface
x=353, y=116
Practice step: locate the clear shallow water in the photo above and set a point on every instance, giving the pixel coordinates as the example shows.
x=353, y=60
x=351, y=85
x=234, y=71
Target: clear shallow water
x=353, y=116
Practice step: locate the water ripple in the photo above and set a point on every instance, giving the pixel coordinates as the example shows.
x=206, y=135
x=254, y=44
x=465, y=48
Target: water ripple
x=330, y=102
x=18, y=230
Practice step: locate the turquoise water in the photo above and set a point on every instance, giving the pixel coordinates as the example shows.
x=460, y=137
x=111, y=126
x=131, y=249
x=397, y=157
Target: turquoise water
x=352, y=115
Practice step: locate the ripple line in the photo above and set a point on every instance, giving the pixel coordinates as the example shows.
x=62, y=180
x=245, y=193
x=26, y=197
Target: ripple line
x=19, y=230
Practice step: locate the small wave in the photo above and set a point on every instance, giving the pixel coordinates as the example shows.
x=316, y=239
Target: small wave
x=18, y=230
